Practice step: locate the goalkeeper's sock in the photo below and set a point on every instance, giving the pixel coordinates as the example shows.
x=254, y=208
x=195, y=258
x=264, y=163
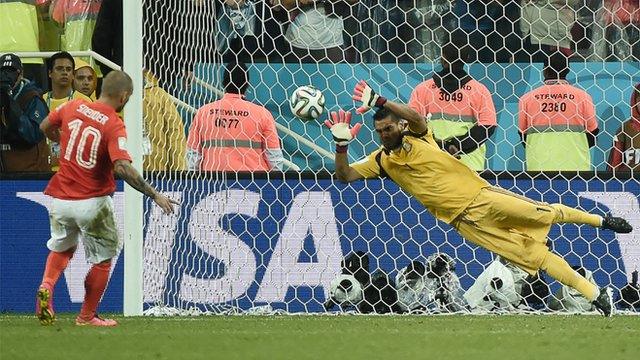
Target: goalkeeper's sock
x=559, y=269
x=94, y=286
x=56, y=263
x=565, y=214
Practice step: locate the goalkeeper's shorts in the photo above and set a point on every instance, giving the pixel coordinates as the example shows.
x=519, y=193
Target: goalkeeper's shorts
x=509, y=225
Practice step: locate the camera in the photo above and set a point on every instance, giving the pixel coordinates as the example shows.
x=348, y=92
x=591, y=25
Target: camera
x=8, y=79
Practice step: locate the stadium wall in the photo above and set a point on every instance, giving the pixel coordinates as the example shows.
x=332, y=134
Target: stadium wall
x=254, y=240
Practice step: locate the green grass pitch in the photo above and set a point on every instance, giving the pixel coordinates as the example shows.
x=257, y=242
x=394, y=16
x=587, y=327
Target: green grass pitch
x=327, y=337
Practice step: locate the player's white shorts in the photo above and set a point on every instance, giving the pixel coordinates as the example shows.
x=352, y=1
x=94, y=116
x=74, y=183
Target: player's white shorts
x=93, y=219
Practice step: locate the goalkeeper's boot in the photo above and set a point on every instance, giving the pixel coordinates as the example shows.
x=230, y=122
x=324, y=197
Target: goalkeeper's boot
x=44, y=305
x=95, y=321
x=617, y=224
x=604, y=302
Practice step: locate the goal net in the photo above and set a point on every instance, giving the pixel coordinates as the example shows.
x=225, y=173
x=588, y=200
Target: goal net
x=278, y=242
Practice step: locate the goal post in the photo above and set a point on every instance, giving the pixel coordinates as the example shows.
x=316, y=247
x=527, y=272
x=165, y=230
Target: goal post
x=133, y=116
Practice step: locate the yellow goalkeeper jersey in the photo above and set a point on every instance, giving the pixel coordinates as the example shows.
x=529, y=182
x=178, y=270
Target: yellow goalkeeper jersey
x=442, y=183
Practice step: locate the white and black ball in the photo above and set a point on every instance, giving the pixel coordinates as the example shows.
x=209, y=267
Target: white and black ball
x=307, y=102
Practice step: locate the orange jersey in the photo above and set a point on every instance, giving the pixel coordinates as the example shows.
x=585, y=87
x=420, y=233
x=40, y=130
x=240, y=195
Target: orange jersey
x=557, y=104
x=454, y=114
x=92, y=138
x=233, y=134
x=555, y=118
x=70, y=10
x=471, y=103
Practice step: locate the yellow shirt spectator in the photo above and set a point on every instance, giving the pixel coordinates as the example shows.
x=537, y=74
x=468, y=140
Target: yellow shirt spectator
x=85, y=79
x=54, y=103
x=77, y=18
x=164, y=141
x=19, y=28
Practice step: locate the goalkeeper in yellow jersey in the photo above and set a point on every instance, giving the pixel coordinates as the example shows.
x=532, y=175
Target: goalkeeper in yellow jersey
x=502, y=222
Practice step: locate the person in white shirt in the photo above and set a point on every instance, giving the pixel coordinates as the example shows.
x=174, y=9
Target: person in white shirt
x=316, y=30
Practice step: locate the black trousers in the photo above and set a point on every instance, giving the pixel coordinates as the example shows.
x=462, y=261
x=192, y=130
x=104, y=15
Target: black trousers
x=329, y=55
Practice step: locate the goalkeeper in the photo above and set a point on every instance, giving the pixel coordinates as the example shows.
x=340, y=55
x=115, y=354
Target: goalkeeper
x=502, y=222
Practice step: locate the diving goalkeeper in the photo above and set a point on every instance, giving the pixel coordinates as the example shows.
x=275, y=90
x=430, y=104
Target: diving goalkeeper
x=510, y=225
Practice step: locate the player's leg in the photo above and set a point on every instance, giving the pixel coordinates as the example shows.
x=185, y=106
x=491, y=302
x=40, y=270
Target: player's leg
x=559, y=269
x=528, y=254
x=566, y=214
x=517, y=247
x=519, y=211
x=100, y=240
x=94, y=285
x=56, y=263
x=62, y=244
x=533, y=220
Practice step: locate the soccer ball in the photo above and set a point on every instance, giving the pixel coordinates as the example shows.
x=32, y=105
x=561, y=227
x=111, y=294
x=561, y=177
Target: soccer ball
x=346, y=289
x=307, y=102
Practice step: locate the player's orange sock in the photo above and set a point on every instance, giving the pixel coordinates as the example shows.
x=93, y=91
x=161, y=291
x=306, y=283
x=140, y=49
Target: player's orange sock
x=559, y=269
x=94, y=286
x=565, y=214
x=56, y=263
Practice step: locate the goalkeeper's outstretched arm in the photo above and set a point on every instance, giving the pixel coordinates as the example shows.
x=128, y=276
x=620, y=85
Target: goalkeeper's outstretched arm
x=344, y=172
x=369, y=99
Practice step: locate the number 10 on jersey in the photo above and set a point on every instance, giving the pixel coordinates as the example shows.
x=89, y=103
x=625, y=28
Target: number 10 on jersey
x=87, y=162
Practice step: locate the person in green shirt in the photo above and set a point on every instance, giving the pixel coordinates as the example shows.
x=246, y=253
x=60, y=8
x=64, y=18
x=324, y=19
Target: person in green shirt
x=20, y=32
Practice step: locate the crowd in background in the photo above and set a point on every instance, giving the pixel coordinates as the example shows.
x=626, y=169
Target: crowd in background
x=413, y=30
x=180, y=34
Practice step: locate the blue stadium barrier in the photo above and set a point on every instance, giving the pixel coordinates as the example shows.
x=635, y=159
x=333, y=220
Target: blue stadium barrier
x=317, y=222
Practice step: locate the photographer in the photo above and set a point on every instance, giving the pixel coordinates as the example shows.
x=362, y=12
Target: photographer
x=22, y=145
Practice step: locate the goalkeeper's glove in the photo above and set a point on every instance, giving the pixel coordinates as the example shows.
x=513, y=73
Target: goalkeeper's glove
x=365, y=94
x=341, y=129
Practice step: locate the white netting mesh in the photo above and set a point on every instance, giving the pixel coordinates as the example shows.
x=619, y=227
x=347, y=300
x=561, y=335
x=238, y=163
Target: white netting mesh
x=243, y=241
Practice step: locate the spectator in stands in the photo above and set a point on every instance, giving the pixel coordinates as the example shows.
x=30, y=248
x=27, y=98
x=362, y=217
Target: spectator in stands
x=50, y=32
x=22, y=145
x=546, y=26
x=625, y=154
x=404, y=31
x=583, y=31
x=107, y=35
x=557, y=122
x=164, y=140
x=178, y=35
x=478, y=18
x=462, y=113
x=438, y=22
x=77, y=18
x=316, y=29
x=60, y=68
x=616, y=34
x=19, y=32
x=61, y=72
x=247, y=31
x=85, y=79
x=232, y=134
